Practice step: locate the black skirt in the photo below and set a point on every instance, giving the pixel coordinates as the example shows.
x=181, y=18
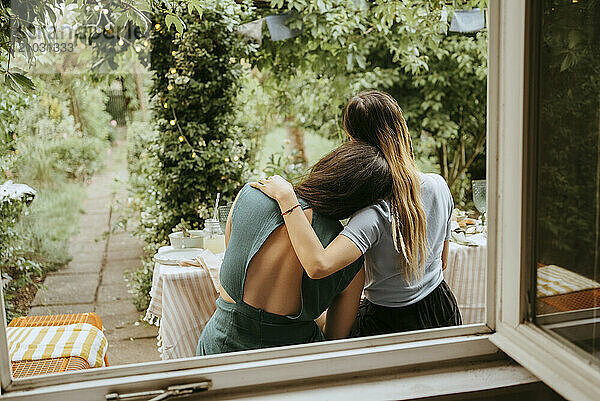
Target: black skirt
x=438, y=309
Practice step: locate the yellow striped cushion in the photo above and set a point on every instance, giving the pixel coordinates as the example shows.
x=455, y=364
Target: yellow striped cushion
x=33, y=343
x=555, y=280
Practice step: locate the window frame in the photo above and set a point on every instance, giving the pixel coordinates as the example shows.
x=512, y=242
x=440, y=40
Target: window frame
x=261, y=367
x=506, y=297
x=567, y=370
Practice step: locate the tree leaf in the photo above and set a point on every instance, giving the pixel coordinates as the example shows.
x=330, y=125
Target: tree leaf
x=51, y=14
x=172, y=19
x=143, y=5
x=122, y=21
x=24, y=81
x=18, y=82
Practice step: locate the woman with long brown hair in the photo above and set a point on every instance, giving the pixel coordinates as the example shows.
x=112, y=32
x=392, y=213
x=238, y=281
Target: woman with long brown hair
x=266, y=298
x=404, y=238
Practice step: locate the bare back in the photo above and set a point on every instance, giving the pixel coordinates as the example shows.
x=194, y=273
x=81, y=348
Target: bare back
x=274, y=277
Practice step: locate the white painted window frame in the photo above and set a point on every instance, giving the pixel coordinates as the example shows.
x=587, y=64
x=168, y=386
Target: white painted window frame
x=570, y=372
x=264, y=367
x=506, y=299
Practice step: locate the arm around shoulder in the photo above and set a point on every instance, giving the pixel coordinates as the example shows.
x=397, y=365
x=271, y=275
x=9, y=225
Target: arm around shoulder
x=340, y=253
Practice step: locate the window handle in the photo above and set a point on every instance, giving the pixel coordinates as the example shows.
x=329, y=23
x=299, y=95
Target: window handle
x=171, y=391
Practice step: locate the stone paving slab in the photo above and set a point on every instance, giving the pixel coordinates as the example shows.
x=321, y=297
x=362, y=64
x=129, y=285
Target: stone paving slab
x=122, y=238
x=88, y=254
x=113, y=292
x=122, y=352
x=117, y=307
x=78, y=245
x=122, y=327
x=94, y=222
x=92, y=228
x=101, y=200
x=96, y=210
x=67, y=289
x=123, y=251
x=122, y=321
x=93, y=281
x=127, y=329
x=115, y=270
x=61, y=309
x=78, y=268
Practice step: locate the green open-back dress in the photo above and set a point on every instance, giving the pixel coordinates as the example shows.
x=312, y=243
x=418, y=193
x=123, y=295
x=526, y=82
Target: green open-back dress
x=239, y=326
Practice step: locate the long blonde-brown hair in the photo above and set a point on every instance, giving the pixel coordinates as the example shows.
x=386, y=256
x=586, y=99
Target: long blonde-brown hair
x=376, y=118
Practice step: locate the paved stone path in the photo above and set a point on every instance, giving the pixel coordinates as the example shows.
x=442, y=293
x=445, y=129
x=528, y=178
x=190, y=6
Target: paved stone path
x=93, y=281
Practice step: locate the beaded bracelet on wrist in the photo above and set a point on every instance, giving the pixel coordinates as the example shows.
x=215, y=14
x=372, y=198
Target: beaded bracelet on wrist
x=290, y=210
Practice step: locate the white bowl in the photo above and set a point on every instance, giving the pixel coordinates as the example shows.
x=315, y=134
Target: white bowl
x=195, y=241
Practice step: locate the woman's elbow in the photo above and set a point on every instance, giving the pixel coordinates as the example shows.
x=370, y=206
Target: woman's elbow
x=317, y=270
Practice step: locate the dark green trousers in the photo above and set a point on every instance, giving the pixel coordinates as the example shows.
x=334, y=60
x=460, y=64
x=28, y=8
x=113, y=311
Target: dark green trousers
x=239, y=327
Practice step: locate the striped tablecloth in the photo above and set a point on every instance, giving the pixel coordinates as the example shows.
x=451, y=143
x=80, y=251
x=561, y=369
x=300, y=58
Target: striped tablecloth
x=182, y=301
x=183, y=298
x=466, y=276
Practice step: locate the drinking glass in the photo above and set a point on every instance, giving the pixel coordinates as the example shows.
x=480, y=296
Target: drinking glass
x=223, y=214
x=480, y=197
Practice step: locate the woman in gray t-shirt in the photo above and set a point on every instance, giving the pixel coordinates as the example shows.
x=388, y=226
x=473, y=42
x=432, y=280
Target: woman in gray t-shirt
x=404, y=289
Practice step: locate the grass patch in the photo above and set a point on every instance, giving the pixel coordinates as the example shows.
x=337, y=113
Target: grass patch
x=41, y=243
x=274, y=142
x=52, y=220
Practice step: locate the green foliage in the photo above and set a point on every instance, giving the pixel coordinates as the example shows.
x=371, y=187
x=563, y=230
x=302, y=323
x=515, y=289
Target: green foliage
x=35, y=240
x=284, y=165
x=19, y=20
x=340, y=35
x=50, y=144
x=404, y=48
x=11, y=106
x=140, y=282
x=446, y=110
x=11, y=252
x=52, y=220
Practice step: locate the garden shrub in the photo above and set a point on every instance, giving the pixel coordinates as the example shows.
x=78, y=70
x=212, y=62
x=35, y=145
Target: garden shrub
x=139, y=161
x=345, y=47
x=17, y=270
x=95, y=120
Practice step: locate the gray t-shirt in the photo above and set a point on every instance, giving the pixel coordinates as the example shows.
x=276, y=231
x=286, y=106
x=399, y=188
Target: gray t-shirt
x=371, y=230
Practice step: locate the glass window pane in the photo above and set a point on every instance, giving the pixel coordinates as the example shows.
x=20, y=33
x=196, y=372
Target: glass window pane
x=567, y=222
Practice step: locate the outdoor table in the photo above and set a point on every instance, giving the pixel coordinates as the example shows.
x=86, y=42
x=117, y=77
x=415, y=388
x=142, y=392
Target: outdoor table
x=466, y=276
x=182, y=301
x=183, y=298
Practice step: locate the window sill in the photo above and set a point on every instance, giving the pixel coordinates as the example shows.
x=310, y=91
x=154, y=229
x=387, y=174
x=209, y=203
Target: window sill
x=459, y=377
x=567, y=371
x=268, y=372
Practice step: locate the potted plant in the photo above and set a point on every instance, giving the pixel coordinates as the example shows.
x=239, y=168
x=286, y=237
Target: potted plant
x=183, y=237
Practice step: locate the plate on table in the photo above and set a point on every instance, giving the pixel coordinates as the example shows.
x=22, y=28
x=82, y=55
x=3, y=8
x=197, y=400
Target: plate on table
x=172, y=257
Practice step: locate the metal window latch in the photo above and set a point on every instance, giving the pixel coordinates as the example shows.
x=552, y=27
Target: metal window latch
x=171, y=391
